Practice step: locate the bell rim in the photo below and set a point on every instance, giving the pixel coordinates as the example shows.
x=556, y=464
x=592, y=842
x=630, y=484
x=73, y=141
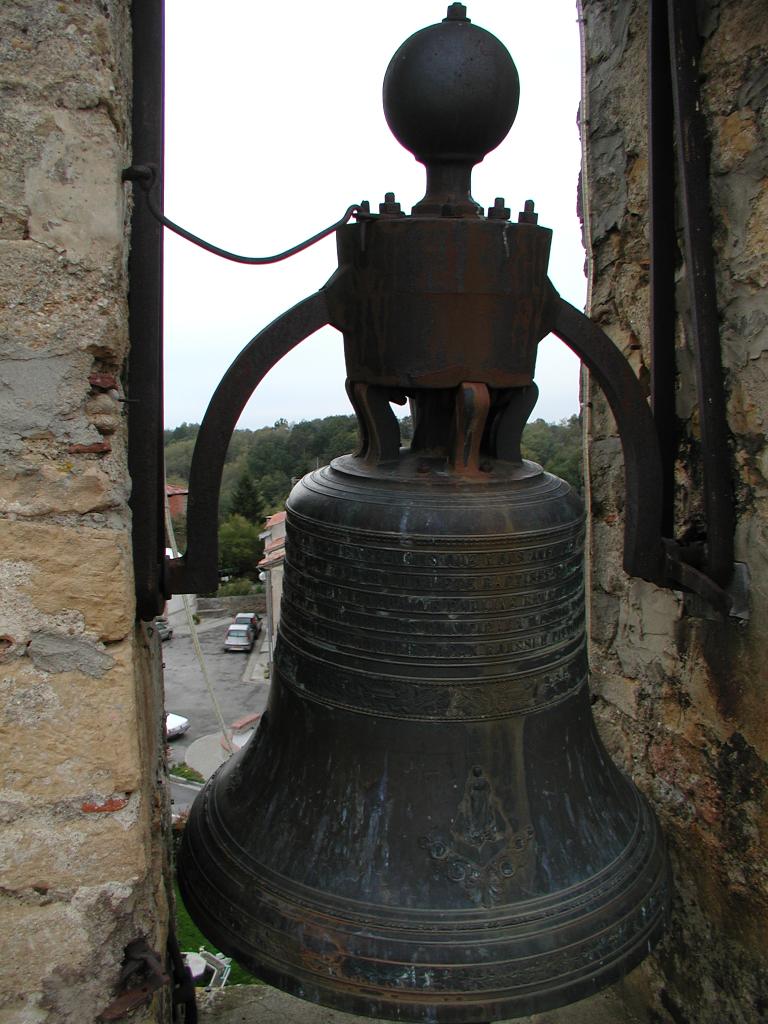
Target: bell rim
x=645, y=899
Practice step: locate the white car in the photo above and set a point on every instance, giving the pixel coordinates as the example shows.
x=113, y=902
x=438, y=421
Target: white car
x=247, y=619
x=175, y=725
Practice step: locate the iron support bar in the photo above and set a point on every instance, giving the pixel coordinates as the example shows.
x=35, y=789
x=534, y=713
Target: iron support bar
x=663, y=246
x=693, y=169
x=197, y=571
x=183, y=992
x=144, y=383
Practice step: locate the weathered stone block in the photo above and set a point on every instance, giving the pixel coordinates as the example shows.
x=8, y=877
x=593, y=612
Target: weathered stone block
x=62, y=957
x=646, y=628
x=99, y=839
x=605, y=617
x=68, y=55
x=23, y=127
x=753, y=265
x=50, y=407
x=607, y=471
x=27, y=962
x=619, y=692
x=736, y=136
x=602, y=423
x=57, y=486
x=607, y=543
x=56, y=569
x=691, y=726
x=71, y=734
x=54, y=306
x=52, y=652
x=74, y=192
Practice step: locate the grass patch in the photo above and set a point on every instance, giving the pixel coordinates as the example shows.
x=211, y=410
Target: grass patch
x=183, y=771
x=191, y=939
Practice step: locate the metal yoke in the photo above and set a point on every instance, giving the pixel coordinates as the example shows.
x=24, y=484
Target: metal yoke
x=430, y=303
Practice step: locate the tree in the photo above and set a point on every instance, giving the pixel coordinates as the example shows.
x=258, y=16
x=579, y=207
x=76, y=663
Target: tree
x=246, y=500
x=240, y=547
x=275, y=487
x=270, y=452
x=184, y=432
x=178, y=458
x=272, y=457
x=556, y=447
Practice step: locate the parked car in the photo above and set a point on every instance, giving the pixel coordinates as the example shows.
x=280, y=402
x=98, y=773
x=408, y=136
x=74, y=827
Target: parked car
x=249, y=619
x=164, y=631
x=238, y=638
x=175, y=725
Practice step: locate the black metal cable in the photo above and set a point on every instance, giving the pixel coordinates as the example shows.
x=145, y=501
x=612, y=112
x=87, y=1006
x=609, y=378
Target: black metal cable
x=147, y=178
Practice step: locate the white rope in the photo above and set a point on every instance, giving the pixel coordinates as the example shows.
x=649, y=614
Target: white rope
x=225, y=735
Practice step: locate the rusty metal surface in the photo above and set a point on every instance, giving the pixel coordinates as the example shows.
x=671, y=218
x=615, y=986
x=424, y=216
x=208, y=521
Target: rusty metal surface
x=142, y=974
x=678, y=142
x=432, y=302
x=693, y=169
x=663, y=253
x=644, y=552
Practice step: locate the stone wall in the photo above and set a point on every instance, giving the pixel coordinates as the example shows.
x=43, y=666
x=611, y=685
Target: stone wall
x=81, y=795
x=681, y=697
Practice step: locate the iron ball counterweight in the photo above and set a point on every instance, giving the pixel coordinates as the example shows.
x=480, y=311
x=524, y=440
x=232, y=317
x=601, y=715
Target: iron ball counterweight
x=450, y=96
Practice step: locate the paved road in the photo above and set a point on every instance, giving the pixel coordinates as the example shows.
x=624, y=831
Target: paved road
x=182, y=795
x=185, y=691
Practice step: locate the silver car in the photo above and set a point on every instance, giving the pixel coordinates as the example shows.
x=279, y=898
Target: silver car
x=238, y=638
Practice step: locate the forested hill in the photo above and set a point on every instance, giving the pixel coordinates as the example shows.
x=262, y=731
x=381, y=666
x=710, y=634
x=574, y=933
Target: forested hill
x=261, y=464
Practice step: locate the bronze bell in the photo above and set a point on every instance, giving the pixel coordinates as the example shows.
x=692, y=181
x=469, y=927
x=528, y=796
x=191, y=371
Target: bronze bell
x=426, y=825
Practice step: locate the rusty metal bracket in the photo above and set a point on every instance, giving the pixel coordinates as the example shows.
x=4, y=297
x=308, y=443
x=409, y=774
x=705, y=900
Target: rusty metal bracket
x=644, y=553
x=183, y=993
x=141, y=976
x=197, y=570
x=676, y=125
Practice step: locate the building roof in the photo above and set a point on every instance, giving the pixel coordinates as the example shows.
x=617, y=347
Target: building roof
x=274, y=552
x=271, y=561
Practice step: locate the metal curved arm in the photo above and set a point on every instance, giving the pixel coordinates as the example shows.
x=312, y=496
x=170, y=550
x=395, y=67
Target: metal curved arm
x=644, y=553
x=198, y=570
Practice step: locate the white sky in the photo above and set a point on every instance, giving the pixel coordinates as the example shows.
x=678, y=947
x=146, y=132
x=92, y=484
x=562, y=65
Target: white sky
x=274, y=125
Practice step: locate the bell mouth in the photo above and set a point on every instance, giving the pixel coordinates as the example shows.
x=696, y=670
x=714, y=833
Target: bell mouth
x=479, y=926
